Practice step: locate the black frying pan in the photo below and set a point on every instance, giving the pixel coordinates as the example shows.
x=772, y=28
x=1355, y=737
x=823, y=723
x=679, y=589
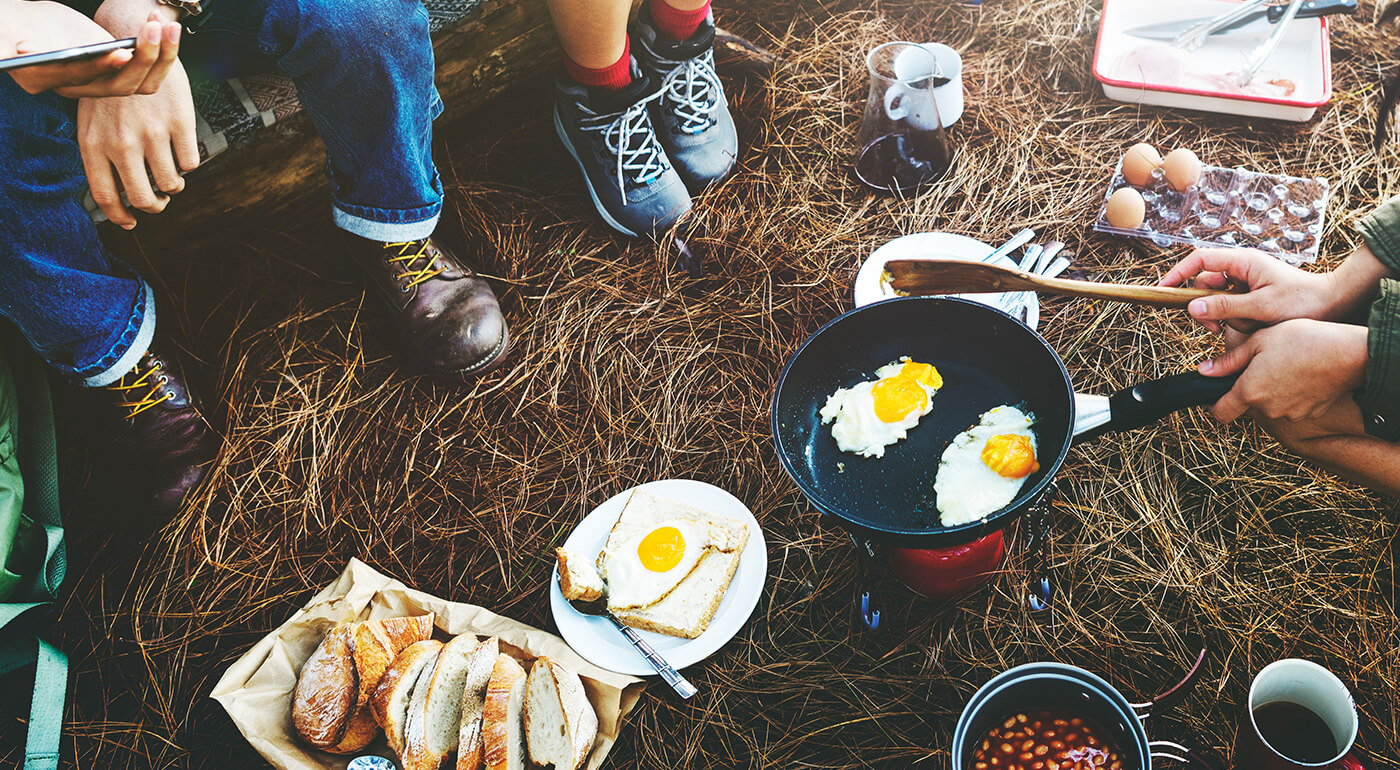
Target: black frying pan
x=987, y=359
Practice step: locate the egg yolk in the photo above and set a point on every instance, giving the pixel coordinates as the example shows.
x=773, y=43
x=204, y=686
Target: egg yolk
x=925, y=373
x=661, y=549
x=1010, y=456
x=895, y=397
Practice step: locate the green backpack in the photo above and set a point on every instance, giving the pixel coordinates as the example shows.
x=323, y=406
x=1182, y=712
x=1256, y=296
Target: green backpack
x=32, y=558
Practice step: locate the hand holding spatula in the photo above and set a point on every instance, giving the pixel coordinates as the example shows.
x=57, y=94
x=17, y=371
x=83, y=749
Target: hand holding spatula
x=920, y=277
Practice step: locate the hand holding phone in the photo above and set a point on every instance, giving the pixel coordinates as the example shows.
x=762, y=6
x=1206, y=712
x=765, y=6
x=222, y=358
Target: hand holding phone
x=61, y=50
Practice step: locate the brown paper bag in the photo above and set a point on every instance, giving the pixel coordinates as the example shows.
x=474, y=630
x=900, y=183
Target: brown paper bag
x=257, y=689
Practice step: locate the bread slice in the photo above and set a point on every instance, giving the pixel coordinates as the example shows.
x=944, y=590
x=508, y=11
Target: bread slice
x=360, y=733
x=560, y=724
x=686, y=611
x=378, y=642
x=483, y=662
x=435, y=714
x=392, y=697
x=323, y=701
x=503, y=724
x=577, y=578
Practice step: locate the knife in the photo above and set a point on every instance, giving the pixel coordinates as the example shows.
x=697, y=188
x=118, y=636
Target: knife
x=1169, y=30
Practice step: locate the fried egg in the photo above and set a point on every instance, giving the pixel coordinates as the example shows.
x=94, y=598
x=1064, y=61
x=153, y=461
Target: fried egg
x=645, y=568
x=985, y=466
x=870, y=416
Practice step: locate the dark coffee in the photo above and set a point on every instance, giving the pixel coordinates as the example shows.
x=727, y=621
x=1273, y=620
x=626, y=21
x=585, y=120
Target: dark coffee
x=1295, y=732
x=902, y=162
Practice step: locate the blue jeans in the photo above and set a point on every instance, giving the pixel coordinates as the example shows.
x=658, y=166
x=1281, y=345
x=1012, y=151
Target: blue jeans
x=364, y=72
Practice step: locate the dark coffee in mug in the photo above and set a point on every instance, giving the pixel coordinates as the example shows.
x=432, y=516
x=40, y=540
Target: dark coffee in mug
x=1294, y=731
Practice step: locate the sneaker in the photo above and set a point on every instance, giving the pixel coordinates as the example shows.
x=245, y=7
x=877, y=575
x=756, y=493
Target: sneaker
x=158, y=434
x=692, y=114
x=610, y=136
x=447, y=315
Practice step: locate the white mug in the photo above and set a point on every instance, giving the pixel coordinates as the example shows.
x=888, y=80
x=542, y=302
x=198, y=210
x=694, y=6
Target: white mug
x=948, y=97
x=1308, y=685
x=913, y=104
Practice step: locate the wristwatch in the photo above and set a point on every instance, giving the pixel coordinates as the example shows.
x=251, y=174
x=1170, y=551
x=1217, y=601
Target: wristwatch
x=196, y=11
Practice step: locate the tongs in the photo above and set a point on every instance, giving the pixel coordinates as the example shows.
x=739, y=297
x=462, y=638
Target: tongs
x=1194, y=37
x=1263, y=52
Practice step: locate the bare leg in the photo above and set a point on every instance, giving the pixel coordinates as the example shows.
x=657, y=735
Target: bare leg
x=592, y=32
x=686, y=5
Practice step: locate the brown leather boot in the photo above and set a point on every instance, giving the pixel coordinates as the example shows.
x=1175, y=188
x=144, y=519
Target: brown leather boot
x=447, y=314
x=159, y=434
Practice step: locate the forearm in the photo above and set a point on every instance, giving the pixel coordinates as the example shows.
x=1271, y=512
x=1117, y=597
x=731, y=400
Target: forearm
x=1362, y=459
x=1353, y=286
x=123, y=17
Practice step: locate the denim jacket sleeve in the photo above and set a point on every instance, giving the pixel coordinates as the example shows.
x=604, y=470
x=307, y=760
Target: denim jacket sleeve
x=1380, y=396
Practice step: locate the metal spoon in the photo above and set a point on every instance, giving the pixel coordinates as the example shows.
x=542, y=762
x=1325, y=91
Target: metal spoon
x=599, y=608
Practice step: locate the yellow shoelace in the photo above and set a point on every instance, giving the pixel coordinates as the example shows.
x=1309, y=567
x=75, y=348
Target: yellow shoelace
x=409, y=253
x=136, y=379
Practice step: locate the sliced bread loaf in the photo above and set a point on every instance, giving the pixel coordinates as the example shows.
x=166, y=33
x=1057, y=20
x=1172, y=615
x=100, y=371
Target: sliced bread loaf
x=394, y=694
x=360, y=733
x=503, y=724
x=323, y=701
x=378, y=642
x=560, y=724
x=469, y=738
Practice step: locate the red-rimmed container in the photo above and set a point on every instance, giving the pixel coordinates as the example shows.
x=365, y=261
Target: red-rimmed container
x=1293, y=83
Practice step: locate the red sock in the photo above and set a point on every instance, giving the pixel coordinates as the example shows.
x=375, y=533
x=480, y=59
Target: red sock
x=613, y=78
x=677, y=25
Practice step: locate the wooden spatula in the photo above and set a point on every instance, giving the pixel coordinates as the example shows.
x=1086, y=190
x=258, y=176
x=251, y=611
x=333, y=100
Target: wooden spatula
x=946, y=276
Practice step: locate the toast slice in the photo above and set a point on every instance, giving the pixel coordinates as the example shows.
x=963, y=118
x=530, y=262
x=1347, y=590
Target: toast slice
x=378, y=642
x=577, y=579
x=323, y=701
x=469, y=737
x=686, y=611
x=394, y=694
x=560, y=724
x=503, y=723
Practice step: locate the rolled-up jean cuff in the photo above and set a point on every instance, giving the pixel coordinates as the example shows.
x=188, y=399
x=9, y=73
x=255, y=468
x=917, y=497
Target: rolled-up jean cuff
x=385, y=232
x=133, y=344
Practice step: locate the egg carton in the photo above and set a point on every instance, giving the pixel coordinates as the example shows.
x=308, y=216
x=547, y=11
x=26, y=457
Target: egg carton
x=1280, y=215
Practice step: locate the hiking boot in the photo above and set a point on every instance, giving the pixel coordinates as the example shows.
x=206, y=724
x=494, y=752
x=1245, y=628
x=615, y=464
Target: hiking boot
x=610, y=136
x=159, y=433
x=447, y=314
x=692, y=116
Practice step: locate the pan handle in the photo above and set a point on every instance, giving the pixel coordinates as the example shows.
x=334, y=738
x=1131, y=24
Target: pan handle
x=1150, y=401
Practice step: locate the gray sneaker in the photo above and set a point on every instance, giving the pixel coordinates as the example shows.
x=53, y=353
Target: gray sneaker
x=611, y=137
x=692, y=116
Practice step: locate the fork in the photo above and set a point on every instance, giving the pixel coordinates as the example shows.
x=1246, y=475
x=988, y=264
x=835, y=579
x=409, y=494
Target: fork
x=1038, y=260
x=599, y=608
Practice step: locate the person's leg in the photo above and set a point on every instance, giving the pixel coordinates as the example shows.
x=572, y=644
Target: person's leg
x=364, y=72
x=674, y=42
x=601, y=115
x=90, y=317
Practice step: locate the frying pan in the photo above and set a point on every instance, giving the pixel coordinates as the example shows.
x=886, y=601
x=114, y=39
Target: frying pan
x=987, y=359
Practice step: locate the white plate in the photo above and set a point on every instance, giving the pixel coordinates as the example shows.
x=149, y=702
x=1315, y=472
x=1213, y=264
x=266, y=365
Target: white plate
x=870, y=287
x=602, y=644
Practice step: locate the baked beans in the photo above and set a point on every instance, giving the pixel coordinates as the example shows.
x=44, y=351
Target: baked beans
x=1045, y=740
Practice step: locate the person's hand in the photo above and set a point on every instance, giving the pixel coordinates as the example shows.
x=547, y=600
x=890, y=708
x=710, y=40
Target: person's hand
x=135, y=140
x=1277, y=291
x=1299, y=369
x=40, y=27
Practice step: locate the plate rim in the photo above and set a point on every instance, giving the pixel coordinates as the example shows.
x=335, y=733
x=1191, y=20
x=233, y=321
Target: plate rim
x=690, y=651
x=964, y=242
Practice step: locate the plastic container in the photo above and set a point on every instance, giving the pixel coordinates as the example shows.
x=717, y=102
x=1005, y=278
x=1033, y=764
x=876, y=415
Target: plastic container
x=1280, y=215
x=1294, y=82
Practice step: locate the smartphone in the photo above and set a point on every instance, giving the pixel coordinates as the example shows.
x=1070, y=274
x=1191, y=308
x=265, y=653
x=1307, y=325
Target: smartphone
x=65, y=55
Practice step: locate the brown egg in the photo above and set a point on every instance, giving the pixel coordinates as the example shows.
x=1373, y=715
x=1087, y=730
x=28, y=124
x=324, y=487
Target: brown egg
x=1126, y=209
x=1139, y=162
x=1182, y=169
